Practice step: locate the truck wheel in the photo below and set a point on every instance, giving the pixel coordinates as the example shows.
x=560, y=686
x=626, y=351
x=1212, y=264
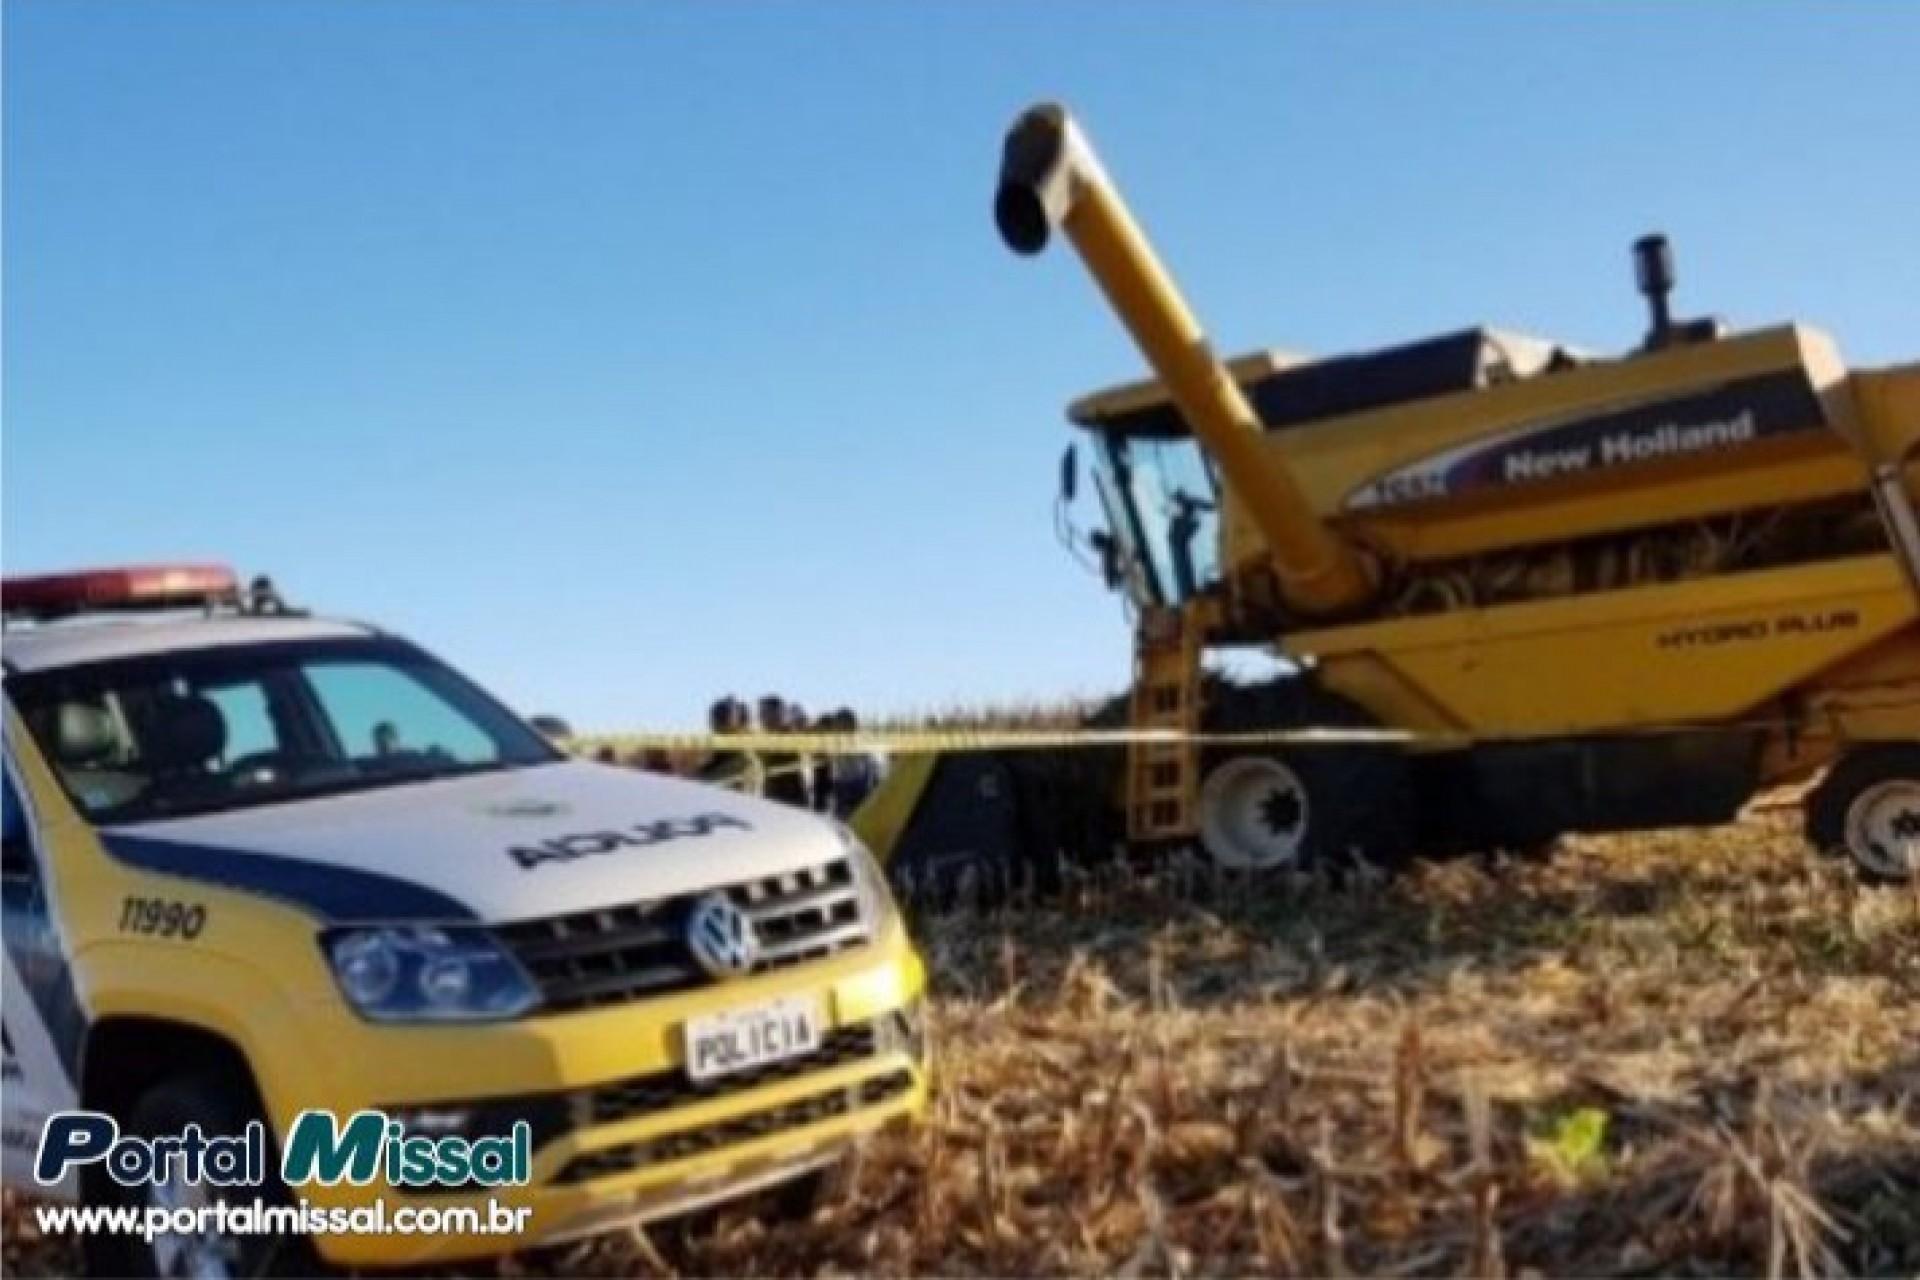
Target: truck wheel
x=1271, y=808
x=1868, y=807
x=214, y=1102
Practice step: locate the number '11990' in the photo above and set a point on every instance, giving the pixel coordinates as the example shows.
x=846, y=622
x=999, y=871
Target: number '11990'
x=162, y=918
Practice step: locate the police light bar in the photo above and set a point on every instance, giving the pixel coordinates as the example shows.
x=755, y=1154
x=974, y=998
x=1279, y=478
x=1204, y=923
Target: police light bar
x=42, y=597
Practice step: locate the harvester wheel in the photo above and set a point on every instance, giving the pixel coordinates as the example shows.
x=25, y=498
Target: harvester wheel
x=1868, y=807
x=1266, y=808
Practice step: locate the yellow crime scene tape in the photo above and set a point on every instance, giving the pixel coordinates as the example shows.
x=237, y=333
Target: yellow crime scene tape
x=747, y=761
x=937, y=742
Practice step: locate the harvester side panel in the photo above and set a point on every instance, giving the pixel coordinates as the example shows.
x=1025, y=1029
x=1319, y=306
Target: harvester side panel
x=1873, y=696
x=1704, y=651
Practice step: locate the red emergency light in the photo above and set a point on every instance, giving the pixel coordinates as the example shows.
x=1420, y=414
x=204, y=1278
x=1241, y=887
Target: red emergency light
x=46, y=596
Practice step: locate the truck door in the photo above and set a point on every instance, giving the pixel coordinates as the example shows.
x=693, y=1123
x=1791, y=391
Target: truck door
x=40, y=1022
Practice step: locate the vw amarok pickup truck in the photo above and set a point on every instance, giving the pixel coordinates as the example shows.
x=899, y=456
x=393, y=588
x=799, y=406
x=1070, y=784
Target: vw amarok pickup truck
x=259, y=865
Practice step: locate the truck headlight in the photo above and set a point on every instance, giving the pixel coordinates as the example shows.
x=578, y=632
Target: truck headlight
x=418, y=973
x=869, y=881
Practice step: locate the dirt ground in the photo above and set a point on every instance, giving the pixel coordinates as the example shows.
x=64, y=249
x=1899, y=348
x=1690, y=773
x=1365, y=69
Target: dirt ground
x=1673, y=1054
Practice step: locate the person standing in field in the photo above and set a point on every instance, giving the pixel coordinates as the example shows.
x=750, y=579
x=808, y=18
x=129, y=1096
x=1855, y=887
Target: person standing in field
x=740, y=770
x=856, y=773
x=819, y=774
x=785, y=772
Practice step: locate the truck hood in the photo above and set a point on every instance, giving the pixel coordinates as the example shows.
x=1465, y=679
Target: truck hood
x=497, y=847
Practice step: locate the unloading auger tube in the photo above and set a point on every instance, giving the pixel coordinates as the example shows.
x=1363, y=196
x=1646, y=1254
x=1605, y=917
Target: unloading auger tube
x=1049, y=177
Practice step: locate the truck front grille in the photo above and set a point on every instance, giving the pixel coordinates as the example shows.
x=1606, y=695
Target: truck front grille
x=686, y=1143
x=596, y=958
x=553, y=1115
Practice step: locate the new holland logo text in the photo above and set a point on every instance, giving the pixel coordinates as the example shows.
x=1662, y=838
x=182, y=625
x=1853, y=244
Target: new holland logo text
x=641, y=835
x=1627, y=446
x=1523, y=458
x=1728, y=417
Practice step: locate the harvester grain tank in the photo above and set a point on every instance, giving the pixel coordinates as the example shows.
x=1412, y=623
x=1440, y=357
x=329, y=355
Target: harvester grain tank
x=1595, y=594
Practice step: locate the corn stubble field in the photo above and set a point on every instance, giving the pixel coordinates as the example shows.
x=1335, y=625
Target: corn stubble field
x=1670, y=1054
x=1679, y=1053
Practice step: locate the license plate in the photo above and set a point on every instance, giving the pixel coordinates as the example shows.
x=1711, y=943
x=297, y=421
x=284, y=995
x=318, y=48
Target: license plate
x=742, y=1039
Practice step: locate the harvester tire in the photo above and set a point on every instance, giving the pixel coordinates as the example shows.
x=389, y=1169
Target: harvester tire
x=1867, y=808
x=1293, y=807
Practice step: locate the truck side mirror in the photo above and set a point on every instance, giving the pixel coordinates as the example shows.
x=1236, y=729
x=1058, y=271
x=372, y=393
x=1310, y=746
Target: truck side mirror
x=1069, y=473
x=550, y=726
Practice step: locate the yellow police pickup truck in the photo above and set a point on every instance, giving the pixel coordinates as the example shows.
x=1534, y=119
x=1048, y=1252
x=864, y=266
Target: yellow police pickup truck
x=262, y=867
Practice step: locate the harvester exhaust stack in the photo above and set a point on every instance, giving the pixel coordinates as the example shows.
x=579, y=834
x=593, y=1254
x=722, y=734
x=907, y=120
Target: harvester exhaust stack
x=1653, y=271
x=1049, y=177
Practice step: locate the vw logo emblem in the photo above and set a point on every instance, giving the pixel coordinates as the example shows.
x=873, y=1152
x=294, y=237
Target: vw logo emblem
x=722, y=938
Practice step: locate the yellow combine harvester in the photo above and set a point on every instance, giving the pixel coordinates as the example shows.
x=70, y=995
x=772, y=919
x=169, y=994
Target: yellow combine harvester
x=1598, y=594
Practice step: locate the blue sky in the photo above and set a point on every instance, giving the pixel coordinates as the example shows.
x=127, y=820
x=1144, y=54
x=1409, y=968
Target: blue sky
x=628, y=354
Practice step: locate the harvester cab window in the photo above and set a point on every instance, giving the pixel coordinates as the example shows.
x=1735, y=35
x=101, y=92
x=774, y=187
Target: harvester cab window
x=1120, y=548
x=1164, y=501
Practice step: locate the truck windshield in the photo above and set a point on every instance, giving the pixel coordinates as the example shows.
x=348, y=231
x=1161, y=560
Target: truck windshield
x=1163, y=501
x=241, y=726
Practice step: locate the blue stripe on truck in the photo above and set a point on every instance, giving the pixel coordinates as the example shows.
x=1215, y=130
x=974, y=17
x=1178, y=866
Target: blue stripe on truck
x=334, y=894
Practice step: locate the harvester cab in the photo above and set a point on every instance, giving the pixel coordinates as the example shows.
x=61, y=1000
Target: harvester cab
x=1592, y=594
x=1159, y=499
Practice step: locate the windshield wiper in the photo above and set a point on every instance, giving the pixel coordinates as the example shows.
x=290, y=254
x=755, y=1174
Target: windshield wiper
x=160, y=809
x=457, y=769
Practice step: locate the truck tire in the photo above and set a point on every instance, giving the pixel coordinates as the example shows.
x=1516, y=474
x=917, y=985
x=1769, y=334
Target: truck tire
x=1285, y=806
x=222, y=1107
x=1867, y=808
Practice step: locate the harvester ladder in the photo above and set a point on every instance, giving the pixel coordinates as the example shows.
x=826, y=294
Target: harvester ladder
x=1163, y=778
